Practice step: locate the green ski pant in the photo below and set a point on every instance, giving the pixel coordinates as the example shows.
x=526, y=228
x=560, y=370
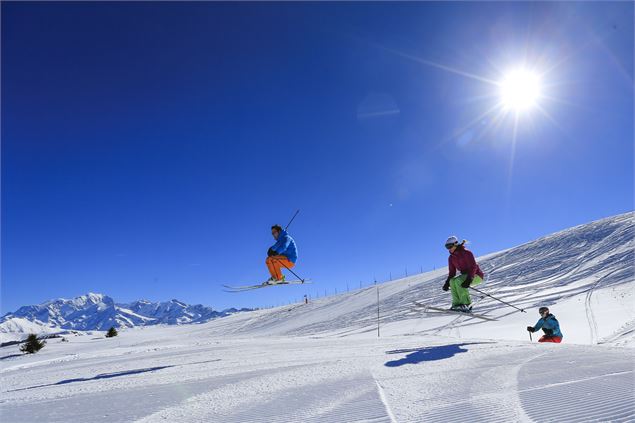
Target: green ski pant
x=461, y=295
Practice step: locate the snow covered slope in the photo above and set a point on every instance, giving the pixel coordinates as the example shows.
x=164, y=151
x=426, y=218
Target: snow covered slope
x=323, y=362
x=174, y=373
x=586, y=275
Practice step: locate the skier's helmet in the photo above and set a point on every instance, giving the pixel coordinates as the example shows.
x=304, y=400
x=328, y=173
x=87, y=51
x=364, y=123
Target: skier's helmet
x=451, y=242
x=543, y=310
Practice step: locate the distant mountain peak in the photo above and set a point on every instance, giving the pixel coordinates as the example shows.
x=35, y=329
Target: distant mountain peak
x=95, y=311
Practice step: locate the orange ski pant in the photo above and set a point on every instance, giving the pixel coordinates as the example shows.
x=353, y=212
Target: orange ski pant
x=276, y=263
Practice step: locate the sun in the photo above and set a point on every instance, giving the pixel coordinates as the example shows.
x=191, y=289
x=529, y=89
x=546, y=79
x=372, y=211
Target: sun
x=520, y=90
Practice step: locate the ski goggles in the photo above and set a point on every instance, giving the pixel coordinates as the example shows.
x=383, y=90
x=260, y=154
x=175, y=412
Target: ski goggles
x=449, y=246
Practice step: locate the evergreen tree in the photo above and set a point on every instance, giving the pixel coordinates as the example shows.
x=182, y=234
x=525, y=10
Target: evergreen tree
x=32, y=344
x=111, y=332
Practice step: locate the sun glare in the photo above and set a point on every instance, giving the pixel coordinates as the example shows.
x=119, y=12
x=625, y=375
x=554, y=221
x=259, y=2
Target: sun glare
x=520, y=90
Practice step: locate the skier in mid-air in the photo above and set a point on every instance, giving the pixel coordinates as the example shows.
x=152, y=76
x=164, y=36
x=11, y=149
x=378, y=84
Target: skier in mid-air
x=461, y=259
x=282, y=254
x=549, y=326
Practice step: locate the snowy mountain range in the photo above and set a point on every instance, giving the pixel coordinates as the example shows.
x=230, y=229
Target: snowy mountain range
x=100, y=312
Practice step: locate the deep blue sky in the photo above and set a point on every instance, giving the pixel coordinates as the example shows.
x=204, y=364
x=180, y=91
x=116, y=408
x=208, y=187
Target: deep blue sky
x=148, y=147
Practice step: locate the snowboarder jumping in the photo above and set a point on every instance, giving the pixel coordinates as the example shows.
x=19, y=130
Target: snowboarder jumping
x=549, y=326
x=461, y=259
x=282, y=254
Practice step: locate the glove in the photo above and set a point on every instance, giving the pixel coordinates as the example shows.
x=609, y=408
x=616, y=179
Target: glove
x=530, y=329
x=466, y=283
x=446, y=285
x=271, y=252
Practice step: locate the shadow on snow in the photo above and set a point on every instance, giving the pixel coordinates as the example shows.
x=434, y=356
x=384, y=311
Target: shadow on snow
x=110, y=375
x=6, y=357
x=438, y=352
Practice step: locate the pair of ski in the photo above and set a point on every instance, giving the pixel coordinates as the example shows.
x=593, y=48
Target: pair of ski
x=436, y=310
x=229, y=288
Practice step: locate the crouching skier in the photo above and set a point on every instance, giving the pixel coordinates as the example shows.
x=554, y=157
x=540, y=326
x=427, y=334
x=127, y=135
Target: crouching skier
x=549, y=326
x=283, y=253
x=463, y=260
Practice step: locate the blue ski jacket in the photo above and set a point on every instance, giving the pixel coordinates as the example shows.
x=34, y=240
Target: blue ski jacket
x=285, y=245
x=549, y=325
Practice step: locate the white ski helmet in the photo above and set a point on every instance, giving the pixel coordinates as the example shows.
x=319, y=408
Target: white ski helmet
x=451, y=241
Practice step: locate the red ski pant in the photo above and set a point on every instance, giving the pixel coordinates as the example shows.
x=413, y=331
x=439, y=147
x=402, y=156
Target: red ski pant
x=546, y=338
x=275, y=265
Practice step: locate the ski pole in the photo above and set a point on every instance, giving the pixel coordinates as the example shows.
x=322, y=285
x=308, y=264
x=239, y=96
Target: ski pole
x=498, y=299
x=294, y=274
x=530, y=339
x=289, y=224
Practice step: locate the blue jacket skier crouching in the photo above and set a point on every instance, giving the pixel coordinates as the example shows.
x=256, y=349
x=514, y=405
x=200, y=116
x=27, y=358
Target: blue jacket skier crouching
x=283, y=253
x=549, y=326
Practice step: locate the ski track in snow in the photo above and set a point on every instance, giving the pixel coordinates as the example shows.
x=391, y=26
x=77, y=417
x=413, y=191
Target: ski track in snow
x=352, y=398
x=600, y=387
x=593, y=327
x=324, y=362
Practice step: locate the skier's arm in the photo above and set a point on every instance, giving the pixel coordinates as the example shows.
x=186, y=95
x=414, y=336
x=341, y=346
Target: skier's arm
x=451, y=268
x=539, y=325
x=471, y=261
x=282, y=244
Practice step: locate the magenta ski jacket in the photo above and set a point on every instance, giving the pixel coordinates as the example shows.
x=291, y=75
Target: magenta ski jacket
x=463, y=261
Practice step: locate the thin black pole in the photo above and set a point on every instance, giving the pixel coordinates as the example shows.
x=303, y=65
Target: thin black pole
x=498, y=299
x=377, y=310
x=289, y=224
x=530, y=340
